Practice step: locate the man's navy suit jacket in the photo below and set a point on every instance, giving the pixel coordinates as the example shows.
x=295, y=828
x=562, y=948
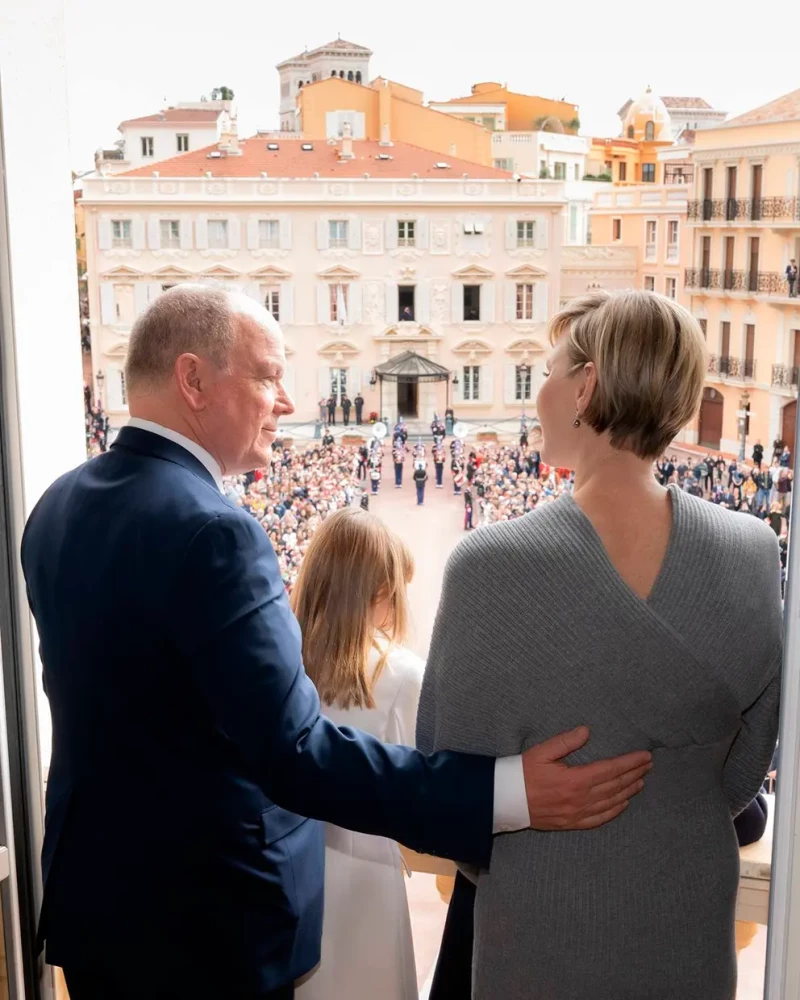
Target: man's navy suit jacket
x=188, y=745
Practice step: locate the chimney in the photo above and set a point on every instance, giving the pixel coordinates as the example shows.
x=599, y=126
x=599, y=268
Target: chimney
x=346, y=152
x=385, y=113
x=452, y=149
x=229, y=138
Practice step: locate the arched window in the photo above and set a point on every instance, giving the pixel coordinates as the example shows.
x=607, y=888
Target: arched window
x=358, y=76
x=300, y=85
x=630, y=131
x=341, y=74
x=649, y=132
x=333, y=72
x=350, y=76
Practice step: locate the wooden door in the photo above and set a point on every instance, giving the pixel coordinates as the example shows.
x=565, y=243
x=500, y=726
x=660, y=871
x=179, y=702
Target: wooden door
x=789, y=415
x=711, y=411
x=749, y=350
x=730, y=209
x=724, y=347
x=706, y=266
x=730, y=248
x=755, y=192
x=795, y=348
x=708, y=187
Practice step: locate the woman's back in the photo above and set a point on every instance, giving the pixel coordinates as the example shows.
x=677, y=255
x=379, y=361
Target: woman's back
x=561, y=641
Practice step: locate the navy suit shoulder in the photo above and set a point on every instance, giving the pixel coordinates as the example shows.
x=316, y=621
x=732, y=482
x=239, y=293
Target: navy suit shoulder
x=188, y=745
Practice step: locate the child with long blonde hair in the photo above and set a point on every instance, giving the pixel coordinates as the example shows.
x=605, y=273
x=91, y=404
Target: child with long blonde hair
x=350, y=600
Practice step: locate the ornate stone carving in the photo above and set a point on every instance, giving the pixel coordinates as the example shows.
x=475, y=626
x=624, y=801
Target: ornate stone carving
x=116, y=187
x=337, y=189
x=338, y=253
x=407, y=253
x=405, y=190
x=440, y=237
x=371, y=235
x=220, y=254
x=526, y=253
x=170, y=253
x=122, y=253
x=267, y=188
x=408, y=273
x=216, y=187
x=167, y=187
x=473, y=189
x=269, y=254
x=373, y=305
x=440, y=304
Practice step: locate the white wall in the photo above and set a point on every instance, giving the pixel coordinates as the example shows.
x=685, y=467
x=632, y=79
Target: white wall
x=165, y=143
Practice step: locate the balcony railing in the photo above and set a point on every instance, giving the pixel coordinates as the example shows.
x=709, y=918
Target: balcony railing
x=735, y=280
x=726, y=366
x=785, y=376
x=772, y=209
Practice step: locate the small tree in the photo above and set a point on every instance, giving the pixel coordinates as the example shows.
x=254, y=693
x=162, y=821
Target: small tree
x=222, y=94
x=574, y=124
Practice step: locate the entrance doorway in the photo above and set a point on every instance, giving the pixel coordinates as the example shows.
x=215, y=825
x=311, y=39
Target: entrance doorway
x=789, y=415
x=407, y=399
x=711, y=419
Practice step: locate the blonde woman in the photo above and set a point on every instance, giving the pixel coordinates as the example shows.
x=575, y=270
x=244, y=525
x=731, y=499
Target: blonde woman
x=350, y=600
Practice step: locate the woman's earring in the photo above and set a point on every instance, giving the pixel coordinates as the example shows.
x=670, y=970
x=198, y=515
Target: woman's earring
x=577, y=421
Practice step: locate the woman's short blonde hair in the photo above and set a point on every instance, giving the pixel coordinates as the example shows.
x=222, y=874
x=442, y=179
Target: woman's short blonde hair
x=650, y=357
x=352, y=561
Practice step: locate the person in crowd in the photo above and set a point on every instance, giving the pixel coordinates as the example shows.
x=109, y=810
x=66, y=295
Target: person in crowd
x=399, y=452
x=758, y=454
x=523, y=433
x=719, y=469
x=468, y=509
x=620, y=568
x=438, y=464
x=786, y=457
x=701, y=472
x=791, y=277
x=359, y=405
x=346, y=407
x=458, y=476
x=323, y=410
x=375, y=476
x=182, y=781
x=420, y=478
x=353, y=652
x=363, y=459
x=708, y=472
x=328, y=439
x=406, y=315
x=364, y=502
x=784, y=488
x=400, y=430
x=331, y=404
x=776, y=519
x=777, y=447
x=761, y=478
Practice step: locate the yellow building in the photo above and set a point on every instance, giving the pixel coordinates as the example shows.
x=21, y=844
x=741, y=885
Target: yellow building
x=744, y=228
x=383, y=111
x=633, y=157
x=500, y=109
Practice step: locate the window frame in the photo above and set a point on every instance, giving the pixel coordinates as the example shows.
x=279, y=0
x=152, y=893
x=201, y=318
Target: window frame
x=183, y=146
x=334, y=305
x=616, y=229
x=525, y=226
x=172, y=241
x=336, y=227
x=272, y=239
x=271, y=295
x=471, y=319
x=148, y=146
x=520, y=386
x=471, y=384
x=213, y=244
x=648, y=173
x=523, y=310
x=125, y=240
x=406, y=232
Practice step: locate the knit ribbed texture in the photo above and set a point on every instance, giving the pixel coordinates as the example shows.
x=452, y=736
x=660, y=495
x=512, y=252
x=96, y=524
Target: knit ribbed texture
x=536, y=633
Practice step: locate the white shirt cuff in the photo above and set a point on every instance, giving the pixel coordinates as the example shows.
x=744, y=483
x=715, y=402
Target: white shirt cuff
x=510, y=799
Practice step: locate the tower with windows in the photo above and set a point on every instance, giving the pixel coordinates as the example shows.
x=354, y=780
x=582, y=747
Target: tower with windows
x=339, y=58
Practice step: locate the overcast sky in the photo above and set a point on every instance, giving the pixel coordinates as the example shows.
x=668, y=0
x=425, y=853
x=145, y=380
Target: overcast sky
x=129, y=61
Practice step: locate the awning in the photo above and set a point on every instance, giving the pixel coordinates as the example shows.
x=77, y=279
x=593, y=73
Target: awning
x=411, y=367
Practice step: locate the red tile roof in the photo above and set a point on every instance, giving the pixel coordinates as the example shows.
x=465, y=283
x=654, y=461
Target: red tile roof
x=291, y=161
x=783, y=109
x=687, y=102
x=175, y=116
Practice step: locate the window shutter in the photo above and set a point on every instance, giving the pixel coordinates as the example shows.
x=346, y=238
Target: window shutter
x=201, y=227
x=234, y=233
x=456, y=302
x=422, y=301
x=390, y=239
x=104, y=234
x=286, y=232
x=154, y=232
x=541, y=232
x=287, y=303
x=353, y=381
x=354, y=232
x=108, y=314
x=354, y=303
x=186, y=232
x=141, y=297
x=487, y=302
x=511, y=234
x=323, y=234
x=422, y=234
x=511, y=301
x=137, y=233
x=323, y=302
x=392, y=305
x=289, y=381
x=540, y=301
x=114, y=388
x=509, y=383
x=486, y=384
x=252, y=233
x=324, y=382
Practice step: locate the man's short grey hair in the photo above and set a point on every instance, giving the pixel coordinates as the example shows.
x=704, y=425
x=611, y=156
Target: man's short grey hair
x=187, y=319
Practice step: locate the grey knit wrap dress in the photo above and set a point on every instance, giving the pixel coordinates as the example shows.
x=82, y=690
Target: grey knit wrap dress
x=537, y=633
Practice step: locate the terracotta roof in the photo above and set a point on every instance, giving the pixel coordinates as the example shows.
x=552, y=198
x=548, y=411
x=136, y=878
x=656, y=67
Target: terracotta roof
x=291, y=161
x=340, y=43
x=175, y=116
x=782, y=109
x=687, y=102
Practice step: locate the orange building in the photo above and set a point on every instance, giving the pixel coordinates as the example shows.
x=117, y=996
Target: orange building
x=633, y=157
x=383, y=111
x=500, y=109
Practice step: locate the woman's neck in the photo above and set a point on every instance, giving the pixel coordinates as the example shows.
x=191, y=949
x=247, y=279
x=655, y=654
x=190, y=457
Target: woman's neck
x=610, y=477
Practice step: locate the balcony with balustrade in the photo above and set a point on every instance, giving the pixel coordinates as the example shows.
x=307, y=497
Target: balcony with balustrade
x=773, y=212
x=729, y=368
x=714, y=281
x=785, y=377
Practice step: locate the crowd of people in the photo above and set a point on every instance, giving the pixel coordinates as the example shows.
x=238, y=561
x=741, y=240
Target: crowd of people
x=96, y=424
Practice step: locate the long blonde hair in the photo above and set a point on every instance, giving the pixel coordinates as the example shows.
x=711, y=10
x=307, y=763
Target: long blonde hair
x=352, y=561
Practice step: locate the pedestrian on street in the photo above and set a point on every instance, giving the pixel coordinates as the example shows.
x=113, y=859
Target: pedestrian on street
x=758, y=454
x=458, y=478
x=363, y=458
x=791, y=277
x=467, y=509
x=375, y=478
x=359, y=404
x=346, y=404
x=420, y=478
x=438, y=464
x=323, y=410
x=398, y=457
x=332, y=410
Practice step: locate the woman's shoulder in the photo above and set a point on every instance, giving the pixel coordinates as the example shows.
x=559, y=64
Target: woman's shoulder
x=400, y=666
x=536, y=530
x=717, y=527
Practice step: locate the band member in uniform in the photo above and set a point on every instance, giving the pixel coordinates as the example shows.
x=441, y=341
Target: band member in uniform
x=458, y=476
x=359, y=404
x=327, y=438
x=420, y=478
x=346, y=404
x=400, y=430
x=398, y=457
x=363, y=458
x=332, y=410
x=438, y=462
x=375, y=476
x=467, y=509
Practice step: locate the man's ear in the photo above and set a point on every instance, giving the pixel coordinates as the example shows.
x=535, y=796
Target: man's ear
x=192, y=379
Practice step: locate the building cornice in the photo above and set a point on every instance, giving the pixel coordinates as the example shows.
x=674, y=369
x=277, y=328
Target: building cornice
x=762, y=149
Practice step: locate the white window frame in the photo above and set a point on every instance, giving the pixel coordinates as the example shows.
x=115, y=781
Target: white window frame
x=333, y=293
x=526, y=233
x=218, y=242
x=560, y=170
x=522, y=385
x=121, y=233
x=269, y=234
x=338, y=233
x=406, y=232
x=471, y=383
x=170, y=234
x=182, y=140
x=523, y=310
x=466, y=285
x=650, y=244
x=272, y=301
x=649, y=282
x=148, y=147
x=673, y=293
x=673, y=246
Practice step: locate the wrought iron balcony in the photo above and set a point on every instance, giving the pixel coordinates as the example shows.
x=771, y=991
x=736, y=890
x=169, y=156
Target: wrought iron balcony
x=726, y=366
x=735, y=280
x=785, y=376
x=772, y=209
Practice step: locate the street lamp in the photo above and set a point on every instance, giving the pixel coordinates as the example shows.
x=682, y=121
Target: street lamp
x=743, y=415
x=100, y=380
x=524, y=371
